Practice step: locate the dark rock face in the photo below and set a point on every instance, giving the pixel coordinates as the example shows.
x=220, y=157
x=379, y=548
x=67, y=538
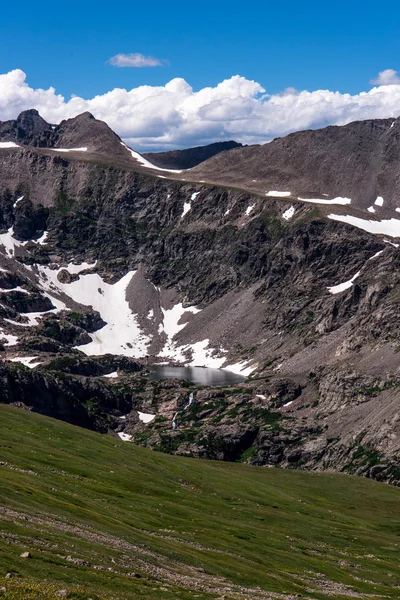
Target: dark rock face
x=87, y=402
x=190, y=157
x=29, y=128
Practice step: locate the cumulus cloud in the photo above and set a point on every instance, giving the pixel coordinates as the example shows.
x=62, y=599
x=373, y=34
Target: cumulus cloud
x=134, y=60
x=387, y=77
x=174, y=115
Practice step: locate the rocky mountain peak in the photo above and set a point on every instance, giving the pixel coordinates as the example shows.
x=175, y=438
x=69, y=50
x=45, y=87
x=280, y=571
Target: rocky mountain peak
x=85, y=131
x=30, y=120
x=29, y=128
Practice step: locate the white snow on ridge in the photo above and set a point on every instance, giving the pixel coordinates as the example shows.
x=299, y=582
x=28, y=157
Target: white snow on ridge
x=186, y=207
x=17, y=200
x=288, y=214
x=371, y=209
x=379, y=201
x=338, y=200
x=194, y=195
x=390, y=227
x=145, y=417
x=341, y=287
x=146, y=163
x=276, y=194
x=376, y=255
x=68, y=149
x=16, y=289
x=9, y=145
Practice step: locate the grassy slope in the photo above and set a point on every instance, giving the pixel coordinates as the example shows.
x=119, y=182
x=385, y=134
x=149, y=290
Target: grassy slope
x=190, y=528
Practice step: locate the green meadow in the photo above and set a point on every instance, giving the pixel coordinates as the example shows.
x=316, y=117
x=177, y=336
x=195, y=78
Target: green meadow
x=105, y=519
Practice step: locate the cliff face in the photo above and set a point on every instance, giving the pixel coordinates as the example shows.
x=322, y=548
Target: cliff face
x=99, y=255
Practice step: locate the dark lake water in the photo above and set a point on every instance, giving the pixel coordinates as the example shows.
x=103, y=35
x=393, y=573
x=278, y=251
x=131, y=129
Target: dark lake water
x=197, y=375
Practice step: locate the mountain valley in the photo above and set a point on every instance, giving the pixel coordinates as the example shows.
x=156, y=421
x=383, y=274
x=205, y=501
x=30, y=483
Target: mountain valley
x=110, y=265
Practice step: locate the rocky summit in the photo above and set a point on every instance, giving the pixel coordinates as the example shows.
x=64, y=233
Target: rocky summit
x=279, y=263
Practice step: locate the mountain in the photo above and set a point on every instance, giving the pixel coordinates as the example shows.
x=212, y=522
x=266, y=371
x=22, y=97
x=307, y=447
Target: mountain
x=109, y=264
x=190, y=157
x=359, y=161
x=102, y=519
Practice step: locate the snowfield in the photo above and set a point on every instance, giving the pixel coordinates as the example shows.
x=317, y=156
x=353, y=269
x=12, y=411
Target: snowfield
x=9, y=145
x=122, y=334
x=390, y=227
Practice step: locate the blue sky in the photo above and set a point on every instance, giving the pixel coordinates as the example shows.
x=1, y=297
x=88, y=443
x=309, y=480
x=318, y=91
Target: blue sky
x=307, y=45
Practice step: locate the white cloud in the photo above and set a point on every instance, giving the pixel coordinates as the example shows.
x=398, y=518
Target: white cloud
x=387, y=77
x=134, y=60
x=174, y=115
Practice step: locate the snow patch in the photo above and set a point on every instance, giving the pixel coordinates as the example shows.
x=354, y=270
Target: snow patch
x=68, y=149
x=371, y=209
x=390, y=227
x=145, y=417
x=288, y=214
x=9, y=242
x=16, y=289
x=43, y=238
x=338, y=200
x=379, y=201
x=186, y=207
x=17, y=200
x=125, y=437
x=249, y=209
x=11, y=340
x=146, y=163
x=194, y=195
x=376, y=255
x=276, y=194
x=9, y=145
x=26, y=360
x=241, y=368
x=391, y=243
x=228, y=210
x=112, y=375
x=341, y=287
